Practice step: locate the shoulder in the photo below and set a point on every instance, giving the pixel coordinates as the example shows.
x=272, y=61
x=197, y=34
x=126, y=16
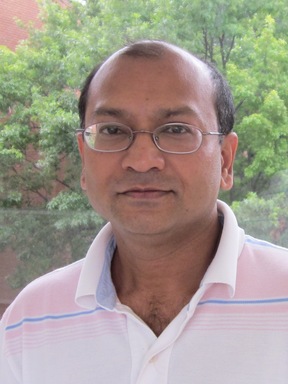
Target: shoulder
x=264, y=249
x=263, y=267
x=63, y=277
x=51, y=293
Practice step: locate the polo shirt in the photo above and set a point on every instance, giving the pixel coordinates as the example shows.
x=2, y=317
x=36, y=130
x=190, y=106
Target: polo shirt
x=68, y=327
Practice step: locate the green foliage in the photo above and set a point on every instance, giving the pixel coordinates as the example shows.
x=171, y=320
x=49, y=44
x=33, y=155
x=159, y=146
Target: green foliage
x=266, y=217
x=44, y=239
x=259, y=82
x=39, y=88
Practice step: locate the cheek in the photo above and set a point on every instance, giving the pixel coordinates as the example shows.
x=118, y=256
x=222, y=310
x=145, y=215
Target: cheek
x=94, y=179
x=98, y=175
x=95, y=191
x=215, y=170
x=208, y=172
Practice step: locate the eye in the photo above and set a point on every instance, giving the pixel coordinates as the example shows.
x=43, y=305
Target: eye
x=175, y=129
x=112, y=129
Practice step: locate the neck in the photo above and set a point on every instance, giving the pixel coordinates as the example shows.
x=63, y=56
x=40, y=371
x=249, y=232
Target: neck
x=156, y=279
x=146, y=265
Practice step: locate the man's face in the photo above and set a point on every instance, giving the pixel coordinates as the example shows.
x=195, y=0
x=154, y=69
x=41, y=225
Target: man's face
x=142, y=190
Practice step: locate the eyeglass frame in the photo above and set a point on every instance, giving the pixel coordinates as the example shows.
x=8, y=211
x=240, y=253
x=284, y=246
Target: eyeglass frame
x=152, y=133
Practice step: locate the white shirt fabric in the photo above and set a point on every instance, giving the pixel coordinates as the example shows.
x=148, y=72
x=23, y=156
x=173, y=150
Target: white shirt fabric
x=68, y=326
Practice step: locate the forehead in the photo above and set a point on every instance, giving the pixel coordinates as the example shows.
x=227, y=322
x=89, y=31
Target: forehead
x=177, y=61
x=174, y=78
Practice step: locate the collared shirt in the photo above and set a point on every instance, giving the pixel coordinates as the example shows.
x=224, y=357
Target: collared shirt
x=69, y=326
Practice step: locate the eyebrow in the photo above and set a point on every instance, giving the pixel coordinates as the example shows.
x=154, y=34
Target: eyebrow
x=114, y=112
x=161, y=113
x=171, y=112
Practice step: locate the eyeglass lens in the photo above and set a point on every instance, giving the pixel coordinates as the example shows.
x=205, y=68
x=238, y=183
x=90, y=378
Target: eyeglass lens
x=174, y=137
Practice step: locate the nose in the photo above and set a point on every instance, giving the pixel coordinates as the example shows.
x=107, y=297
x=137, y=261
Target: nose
x=143, y=155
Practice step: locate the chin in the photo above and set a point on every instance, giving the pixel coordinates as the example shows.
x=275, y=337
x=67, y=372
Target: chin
x=142, y=227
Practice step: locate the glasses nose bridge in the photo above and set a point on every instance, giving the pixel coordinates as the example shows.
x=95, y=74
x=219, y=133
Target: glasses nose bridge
x=152, y=134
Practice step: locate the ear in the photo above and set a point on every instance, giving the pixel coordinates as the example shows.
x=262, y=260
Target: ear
x=228, y=152
x=81, y=145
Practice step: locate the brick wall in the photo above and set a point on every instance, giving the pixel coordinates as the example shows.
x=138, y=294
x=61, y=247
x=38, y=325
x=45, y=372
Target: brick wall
x=10, y=10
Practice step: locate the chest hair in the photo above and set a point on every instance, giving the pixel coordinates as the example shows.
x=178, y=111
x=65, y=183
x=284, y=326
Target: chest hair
x=158, y=314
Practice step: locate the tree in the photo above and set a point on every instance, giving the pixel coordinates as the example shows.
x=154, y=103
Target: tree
x=266, y=217
x=39, y=88
x=259, y=82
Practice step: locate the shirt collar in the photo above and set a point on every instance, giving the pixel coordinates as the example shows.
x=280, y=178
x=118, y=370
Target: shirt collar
x=95, y=277
x=223, y=268
x=95, y=285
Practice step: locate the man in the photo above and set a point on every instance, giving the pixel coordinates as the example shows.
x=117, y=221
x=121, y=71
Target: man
x=171, y=290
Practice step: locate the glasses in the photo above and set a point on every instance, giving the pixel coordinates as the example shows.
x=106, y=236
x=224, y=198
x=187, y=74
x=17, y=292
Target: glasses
x=176, y=138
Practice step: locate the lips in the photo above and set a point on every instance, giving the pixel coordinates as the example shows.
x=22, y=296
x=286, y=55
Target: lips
x=145, y=193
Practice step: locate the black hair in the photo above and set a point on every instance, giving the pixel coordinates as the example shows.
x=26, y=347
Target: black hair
x=154, y=49
x=224, y=104
x=82, y=103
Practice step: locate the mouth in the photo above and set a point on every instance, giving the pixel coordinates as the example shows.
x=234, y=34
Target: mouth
x=145, y=193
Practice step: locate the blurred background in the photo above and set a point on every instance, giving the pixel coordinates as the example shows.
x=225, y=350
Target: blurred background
x=47, y=48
